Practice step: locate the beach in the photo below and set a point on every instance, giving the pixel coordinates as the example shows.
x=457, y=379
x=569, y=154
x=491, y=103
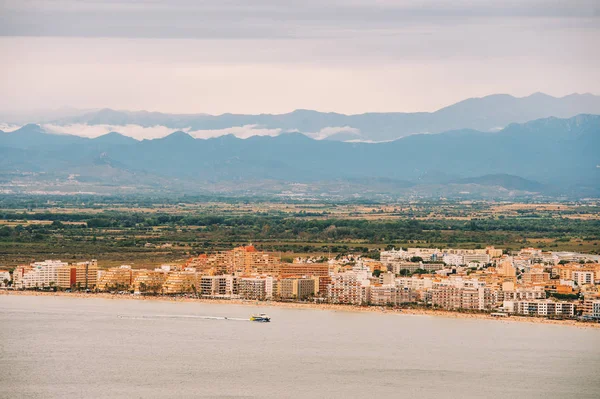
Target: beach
x=315, y=306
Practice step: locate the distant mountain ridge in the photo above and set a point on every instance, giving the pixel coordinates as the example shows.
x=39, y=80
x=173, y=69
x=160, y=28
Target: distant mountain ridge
x=551, y=155
x=486, y=114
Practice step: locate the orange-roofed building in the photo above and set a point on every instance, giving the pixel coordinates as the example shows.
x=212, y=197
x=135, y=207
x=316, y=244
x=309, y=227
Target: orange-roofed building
x=564, y=289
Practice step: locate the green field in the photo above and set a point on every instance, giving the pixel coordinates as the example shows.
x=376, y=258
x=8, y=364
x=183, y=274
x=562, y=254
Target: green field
x=118, y=231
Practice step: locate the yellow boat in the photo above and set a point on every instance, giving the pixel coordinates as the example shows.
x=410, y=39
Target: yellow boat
x=262, y=318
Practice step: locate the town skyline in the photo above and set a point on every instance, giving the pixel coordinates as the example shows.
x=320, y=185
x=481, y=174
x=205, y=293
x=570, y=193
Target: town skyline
x=528, y=282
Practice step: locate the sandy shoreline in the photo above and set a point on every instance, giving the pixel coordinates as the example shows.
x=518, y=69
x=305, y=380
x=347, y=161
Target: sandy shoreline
x=333, y=307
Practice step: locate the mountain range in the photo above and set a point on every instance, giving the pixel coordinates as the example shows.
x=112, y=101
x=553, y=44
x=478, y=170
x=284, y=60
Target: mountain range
x=486, y=114
x=547, y=156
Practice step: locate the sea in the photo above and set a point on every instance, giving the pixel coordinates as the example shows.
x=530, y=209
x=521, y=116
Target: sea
x=59, y=347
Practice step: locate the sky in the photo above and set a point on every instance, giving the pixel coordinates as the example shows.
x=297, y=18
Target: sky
x=270, y=56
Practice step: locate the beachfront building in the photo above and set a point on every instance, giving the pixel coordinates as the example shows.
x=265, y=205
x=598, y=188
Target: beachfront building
x=181, y=282
x=213, y=286
x=78, y=275
x=115, y=278
x=545, y=308
x=510, y=293
x=349, y=288
x=4, y=278
x=224, y=286
x=148, y=281
x=37, y=274
x=391, y=295
x=253, y=288
x=596, y=310
x=296, y=288
x=453, y=297
x=321, y=284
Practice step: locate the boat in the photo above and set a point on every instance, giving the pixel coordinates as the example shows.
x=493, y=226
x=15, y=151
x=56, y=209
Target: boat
x=262, y=318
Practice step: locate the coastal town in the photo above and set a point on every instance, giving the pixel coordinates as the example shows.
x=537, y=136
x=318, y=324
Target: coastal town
x=529, y=282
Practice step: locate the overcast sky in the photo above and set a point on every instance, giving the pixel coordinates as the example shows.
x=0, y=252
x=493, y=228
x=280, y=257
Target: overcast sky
x=269, y=56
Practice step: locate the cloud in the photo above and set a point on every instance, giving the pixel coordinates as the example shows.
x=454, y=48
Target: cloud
x=350, y=56
x=136, y=131
x=242, y=132
x=261, y=18
x=331, y=130
x=141, y=132
x=7, y=127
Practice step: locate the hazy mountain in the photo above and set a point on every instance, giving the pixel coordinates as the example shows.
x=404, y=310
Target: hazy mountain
x=508, y=182
x=41, y=115
x=546, y=155
x=490, y=113
x=114, y=138
x=33, y=136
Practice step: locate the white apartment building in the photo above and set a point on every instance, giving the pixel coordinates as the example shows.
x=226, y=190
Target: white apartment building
x=414, y=283
x=459, y=282
x=521, y=263
x=426, y=254
x=545, y=308
x=389, y=257
x=38, y=274
x=549, y=258
x=521, y=294
x=454, y=259
x=271, y=287
x=596, y=310
x=583, y=277
x=4, y=275
x=480, y=258
x=452, y=297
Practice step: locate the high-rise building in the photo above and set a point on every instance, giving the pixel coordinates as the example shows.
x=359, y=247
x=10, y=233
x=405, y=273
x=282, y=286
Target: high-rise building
x=115, y=278
x=181, y=282
x=252, y=288
x=506, y=269
x=37, y=274
x=583, y=277
x=304, y=269
x=535, y=277
x=81, y=275
x=296, y=288
x=349, y=287
x=148, y=281
x=452, y=297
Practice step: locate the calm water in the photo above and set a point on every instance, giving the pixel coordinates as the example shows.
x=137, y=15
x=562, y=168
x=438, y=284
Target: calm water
x=61, y=347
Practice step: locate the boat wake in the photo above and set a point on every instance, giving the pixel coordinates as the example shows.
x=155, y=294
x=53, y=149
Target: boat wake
x=167, y=316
